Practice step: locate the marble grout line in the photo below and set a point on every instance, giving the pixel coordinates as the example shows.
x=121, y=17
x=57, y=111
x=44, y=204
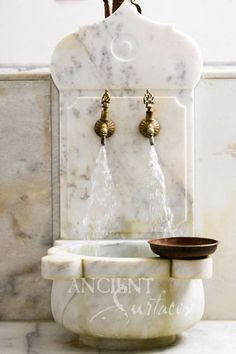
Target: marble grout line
x=55, y=169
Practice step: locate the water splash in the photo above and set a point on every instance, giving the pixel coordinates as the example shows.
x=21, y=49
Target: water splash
x=157, y=213
x=102, y=203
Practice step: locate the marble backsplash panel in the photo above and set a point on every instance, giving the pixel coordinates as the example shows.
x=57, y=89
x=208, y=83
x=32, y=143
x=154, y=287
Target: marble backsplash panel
x=115, y=54
x=128, y=158
x=25, y=197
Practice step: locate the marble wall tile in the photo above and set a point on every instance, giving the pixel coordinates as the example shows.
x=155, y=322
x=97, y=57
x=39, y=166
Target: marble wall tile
x=215, y=196
x=25, y=198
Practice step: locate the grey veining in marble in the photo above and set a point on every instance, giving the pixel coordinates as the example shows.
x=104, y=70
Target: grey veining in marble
x=25, y=198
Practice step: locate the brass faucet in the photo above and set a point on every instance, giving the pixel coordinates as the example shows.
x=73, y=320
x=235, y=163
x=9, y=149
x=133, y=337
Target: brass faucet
x=149, y=127
x=105, y=127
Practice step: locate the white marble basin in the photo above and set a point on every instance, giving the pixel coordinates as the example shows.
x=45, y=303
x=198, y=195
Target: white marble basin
x=115, y=294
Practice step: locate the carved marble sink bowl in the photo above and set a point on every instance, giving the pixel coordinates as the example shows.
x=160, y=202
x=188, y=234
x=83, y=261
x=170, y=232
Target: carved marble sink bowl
x=116, y=295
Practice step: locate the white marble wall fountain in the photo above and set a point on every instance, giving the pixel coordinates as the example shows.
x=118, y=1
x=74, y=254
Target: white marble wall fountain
x=108, y=287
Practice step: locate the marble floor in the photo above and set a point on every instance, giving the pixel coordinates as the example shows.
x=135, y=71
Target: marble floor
x=207, y=337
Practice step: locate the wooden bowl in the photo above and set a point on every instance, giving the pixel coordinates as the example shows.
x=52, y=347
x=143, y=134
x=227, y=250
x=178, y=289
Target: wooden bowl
x=183, y=247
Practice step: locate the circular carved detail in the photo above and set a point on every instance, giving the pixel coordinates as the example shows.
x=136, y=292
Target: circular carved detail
x=124, y=47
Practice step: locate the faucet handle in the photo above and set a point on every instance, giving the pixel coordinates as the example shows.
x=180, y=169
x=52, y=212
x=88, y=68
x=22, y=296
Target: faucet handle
x=148, y=99
x=149, y=127
x=105, y=127
x=106, y=99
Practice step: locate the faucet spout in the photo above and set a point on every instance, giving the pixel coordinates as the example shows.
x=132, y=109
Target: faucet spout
x=151, y=139
x=103, y=141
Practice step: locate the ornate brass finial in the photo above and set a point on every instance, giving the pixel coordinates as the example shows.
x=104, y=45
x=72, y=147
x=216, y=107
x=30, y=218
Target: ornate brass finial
x=148, y=99
x=149, y=127
x=106, y=99
x=105, y=127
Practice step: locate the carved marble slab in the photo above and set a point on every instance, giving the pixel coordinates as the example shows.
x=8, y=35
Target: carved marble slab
x=127, y=54
x=25, y=197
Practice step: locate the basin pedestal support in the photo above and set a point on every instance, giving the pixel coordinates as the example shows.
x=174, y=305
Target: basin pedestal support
x=126, y=344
